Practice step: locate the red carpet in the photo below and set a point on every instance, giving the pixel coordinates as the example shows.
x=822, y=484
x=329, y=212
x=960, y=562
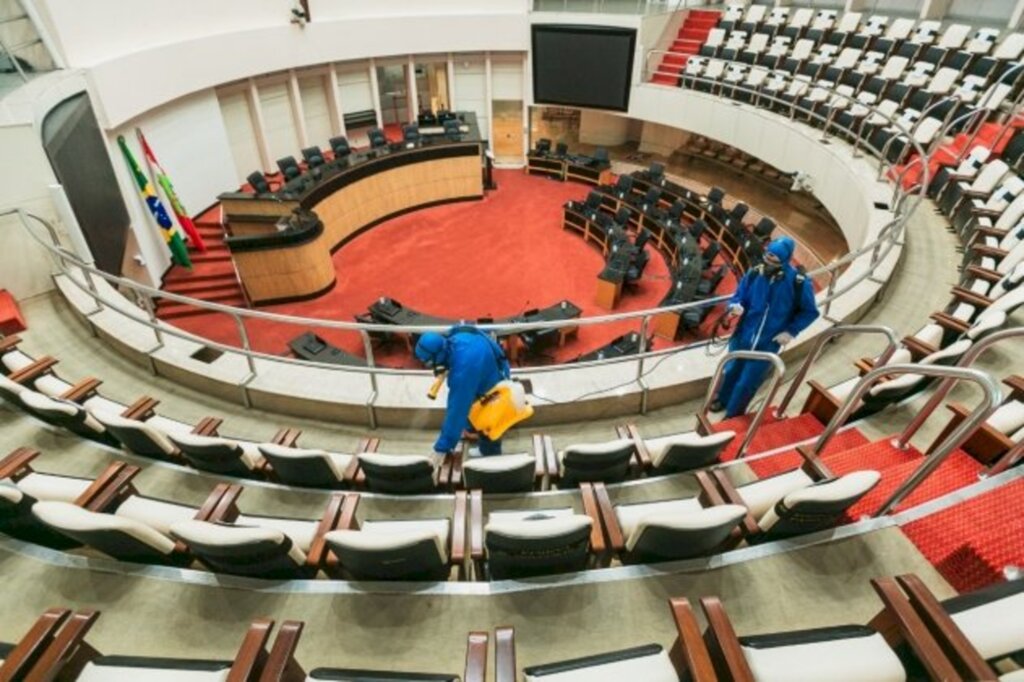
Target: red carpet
x=772, y=434
x=489, y=258
x=691, y=36
x=791, y=459
x=970, y=543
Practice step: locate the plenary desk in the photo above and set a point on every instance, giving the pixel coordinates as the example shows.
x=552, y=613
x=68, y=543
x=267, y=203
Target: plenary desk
x=581, y=169
x=311, y=347
x=627, y=344
x=353, y=194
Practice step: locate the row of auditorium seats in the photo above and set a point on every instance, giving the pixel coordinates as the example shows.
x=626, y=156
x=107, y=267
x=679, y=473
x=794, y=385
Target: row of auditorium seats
x=314, y=157
x=110, y=515
x=914, y=636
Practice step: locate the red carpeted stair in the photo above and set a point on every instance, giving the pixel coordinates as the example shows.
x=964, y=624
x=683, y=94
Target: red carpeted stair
x=791, y=459
x=947, y=154
x=692, y=34
x=972, y=542
x=772, y=434
x=212, y=277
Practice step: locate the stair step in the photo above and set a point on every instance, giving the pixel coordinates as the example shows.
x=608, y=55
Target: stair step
x=772, y=434
x=220, y=295
x=777, y=464
x=179, y=310
x=675, y=59
x=204, y=271
x=877, y=455
x=214, y=257
x=201, y=288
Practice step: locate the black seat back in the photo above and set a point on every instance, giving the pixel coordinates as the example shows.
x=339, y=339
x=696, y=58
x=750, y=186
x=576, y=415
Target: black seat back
x=288, y=167
x=340, y=147
x=313, y=156
x=258, y=182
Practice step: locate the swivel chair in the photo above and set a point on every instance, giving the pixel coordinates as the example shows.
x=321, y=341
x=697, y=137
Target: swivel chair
x=289, y=169
x=411, y=133
x=623, y=186
x=258, y=182
x=561, y=150
x=642, y=239
x=764, y=228
x=340, y=147
x=601, y=160
x=427, y=118
x=445, y=115
x=377, y=138
x=451, y=130
x=656, y=172
x=313, y=156
x=543, y=146
x=636, y=268
x=622, y=217
x=715, y=195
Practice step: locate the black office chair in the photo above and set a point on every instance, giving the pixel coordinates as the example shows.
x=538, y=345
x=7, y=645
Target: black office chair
x=377, y=138
x=561, y=150
x=427, y=118
x=738, y=211
x=709, y=254
x=289, y=168
x=637, y=266
x=622, y=217
x=697, y=228
x=650, y=200
x=623, y=186
x=764, y=228
x=656, y=172
x=592, y=204
x=411, y=133
x=258, y=182
x=543, y=146
x=452, y=131
x=313, y=156
x=445, y=115
x=642, y=239
x=675, y=211
x=340, y=147
x=715, y=195
x=601, y=159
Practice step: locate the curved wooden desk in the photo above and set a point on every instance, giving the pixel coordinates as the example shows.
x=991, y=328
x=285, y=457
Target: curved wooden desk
x=348, y=196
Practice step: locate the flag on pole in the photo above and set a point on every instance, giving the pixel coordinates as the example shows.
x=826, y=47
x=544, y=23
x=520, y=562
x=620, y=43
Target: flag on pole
x=171, y=236
x=172, y=196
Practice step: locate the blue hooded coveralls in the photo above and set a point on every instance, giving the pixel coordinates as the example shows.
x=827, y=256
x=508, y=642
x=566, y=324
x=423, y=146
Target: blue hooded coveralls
x=476, y=363
x=771, y=306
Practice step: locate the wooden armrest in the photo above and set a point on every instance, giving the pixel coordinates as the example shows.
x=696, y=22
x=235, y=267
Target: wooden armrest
x=643, y=455
x=949, y=322
x=985, y=250
x=984, y=273
x=17, y=463
x=590, y=509
x=612, y=529
x=142, y=409
x=710, y=496
x=864, y=365
x=918, y=349
x=476, y=657
x=455, y=476
x=281, y=665
x=252, y=654
x=504, y=654
x=914, y=631
x=8, y=343
x=704, y=425
x=457, y=549
x=1016, y=385
x=476, y=525
x=723, y=644
x=444, y=470
x=949, y=636
x=212, y=500
x=114, y=492
x=288, y=438
x=971, y=297
x=81, y=391
x=328, y=522
x=986, y=213
x=983, y=231
x=207, y=426
x=537, y=446
x=690, y=646
x=822, y=393
x=813, y=466
x=97, y=488
x=226, y=510
x=353, y=473
x=973, y=194
x=554, y=470
x=30, y=373
x=732, y=496
x=31, y=646
x=65, y=645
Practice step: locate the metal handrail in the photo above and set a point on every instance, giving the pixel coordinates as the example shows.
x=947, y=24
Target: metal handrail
x=943, y=389
x=889, y=237
x=819, y=345
x=993, y=395
x=778, y=368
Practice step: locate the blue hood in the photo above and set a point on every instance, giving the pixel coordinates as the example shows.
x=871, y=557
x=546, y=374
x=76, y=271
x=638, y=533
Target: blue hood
x=782, y=248
x=432, y=349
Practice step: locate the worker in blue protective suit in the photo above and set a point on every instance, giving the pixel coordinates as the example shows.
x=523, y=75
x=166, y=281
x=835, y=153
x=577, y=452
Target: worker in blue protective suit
x=474, y=363
x=774, y=303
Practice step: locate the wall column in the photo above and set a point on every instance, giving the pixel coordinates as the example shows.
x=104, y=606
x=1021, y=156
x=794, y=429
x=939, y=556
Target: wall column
x=410, y=84
x=298, y=113
x=489, y=95
x=334, y=101
x=375, y=87
x=256, y=112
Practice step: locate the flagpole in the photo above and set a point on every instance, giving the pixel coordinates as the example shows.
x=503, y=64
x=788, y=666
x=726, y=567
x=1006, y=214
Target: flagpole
x=164, y=181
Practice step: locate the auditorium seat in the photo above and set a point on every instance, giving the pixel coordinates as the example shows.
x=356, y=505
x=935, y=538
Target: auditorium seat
x=608, y=461
x=527, y=543
x=65, y=414
x=313, y=156
x=21, y=487
x=501, y=474
x=981, y=186
x=966, y=170
x=411, y=133
x=340, y=147
x=399, y=474
x=313, y=468
x=289, y=168
x=258, y=182
x=218, y=455
x=398, y=549
x=977, y=204
x=679, y=451
x=377, y=138
x=137, y=436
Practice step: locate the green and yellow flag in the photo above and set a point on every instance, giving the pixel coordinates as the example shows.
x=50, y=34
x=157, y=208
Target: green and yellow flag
x=179, y=252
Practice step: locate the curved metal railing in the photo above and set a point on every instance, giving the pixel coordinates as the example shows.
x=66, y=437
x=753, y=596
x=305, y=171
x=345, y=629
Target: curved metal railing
x=778, y=370
x=887, y=239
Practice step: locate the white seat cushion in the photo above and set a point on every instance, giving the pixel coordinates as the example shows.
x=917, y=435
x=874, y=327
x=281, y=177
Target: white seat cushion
x=659, y=447
x=9, y=493
x=169, y=425
x=51, y=385
x=985, y=323
x=156, y=514
x=539, y=526
x=47, y=487
x=156, y=436
x=46, y=404
x=12, y=387
x=995, y=629
x=596, y=448
x=381, y=535
x=631, y=515
x=653, y=668
x=853, y=659
x=300, y=531
x=760, y=496
x=846, y=487
x=1008, y=417
x=116, y=673
x=71, y=518
x=250, y=455
x=98, y=403
x=382, y=459
x=702, y=519
x=500, y=463
x=336, y=461
x=224, y=535
x=516, y=515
